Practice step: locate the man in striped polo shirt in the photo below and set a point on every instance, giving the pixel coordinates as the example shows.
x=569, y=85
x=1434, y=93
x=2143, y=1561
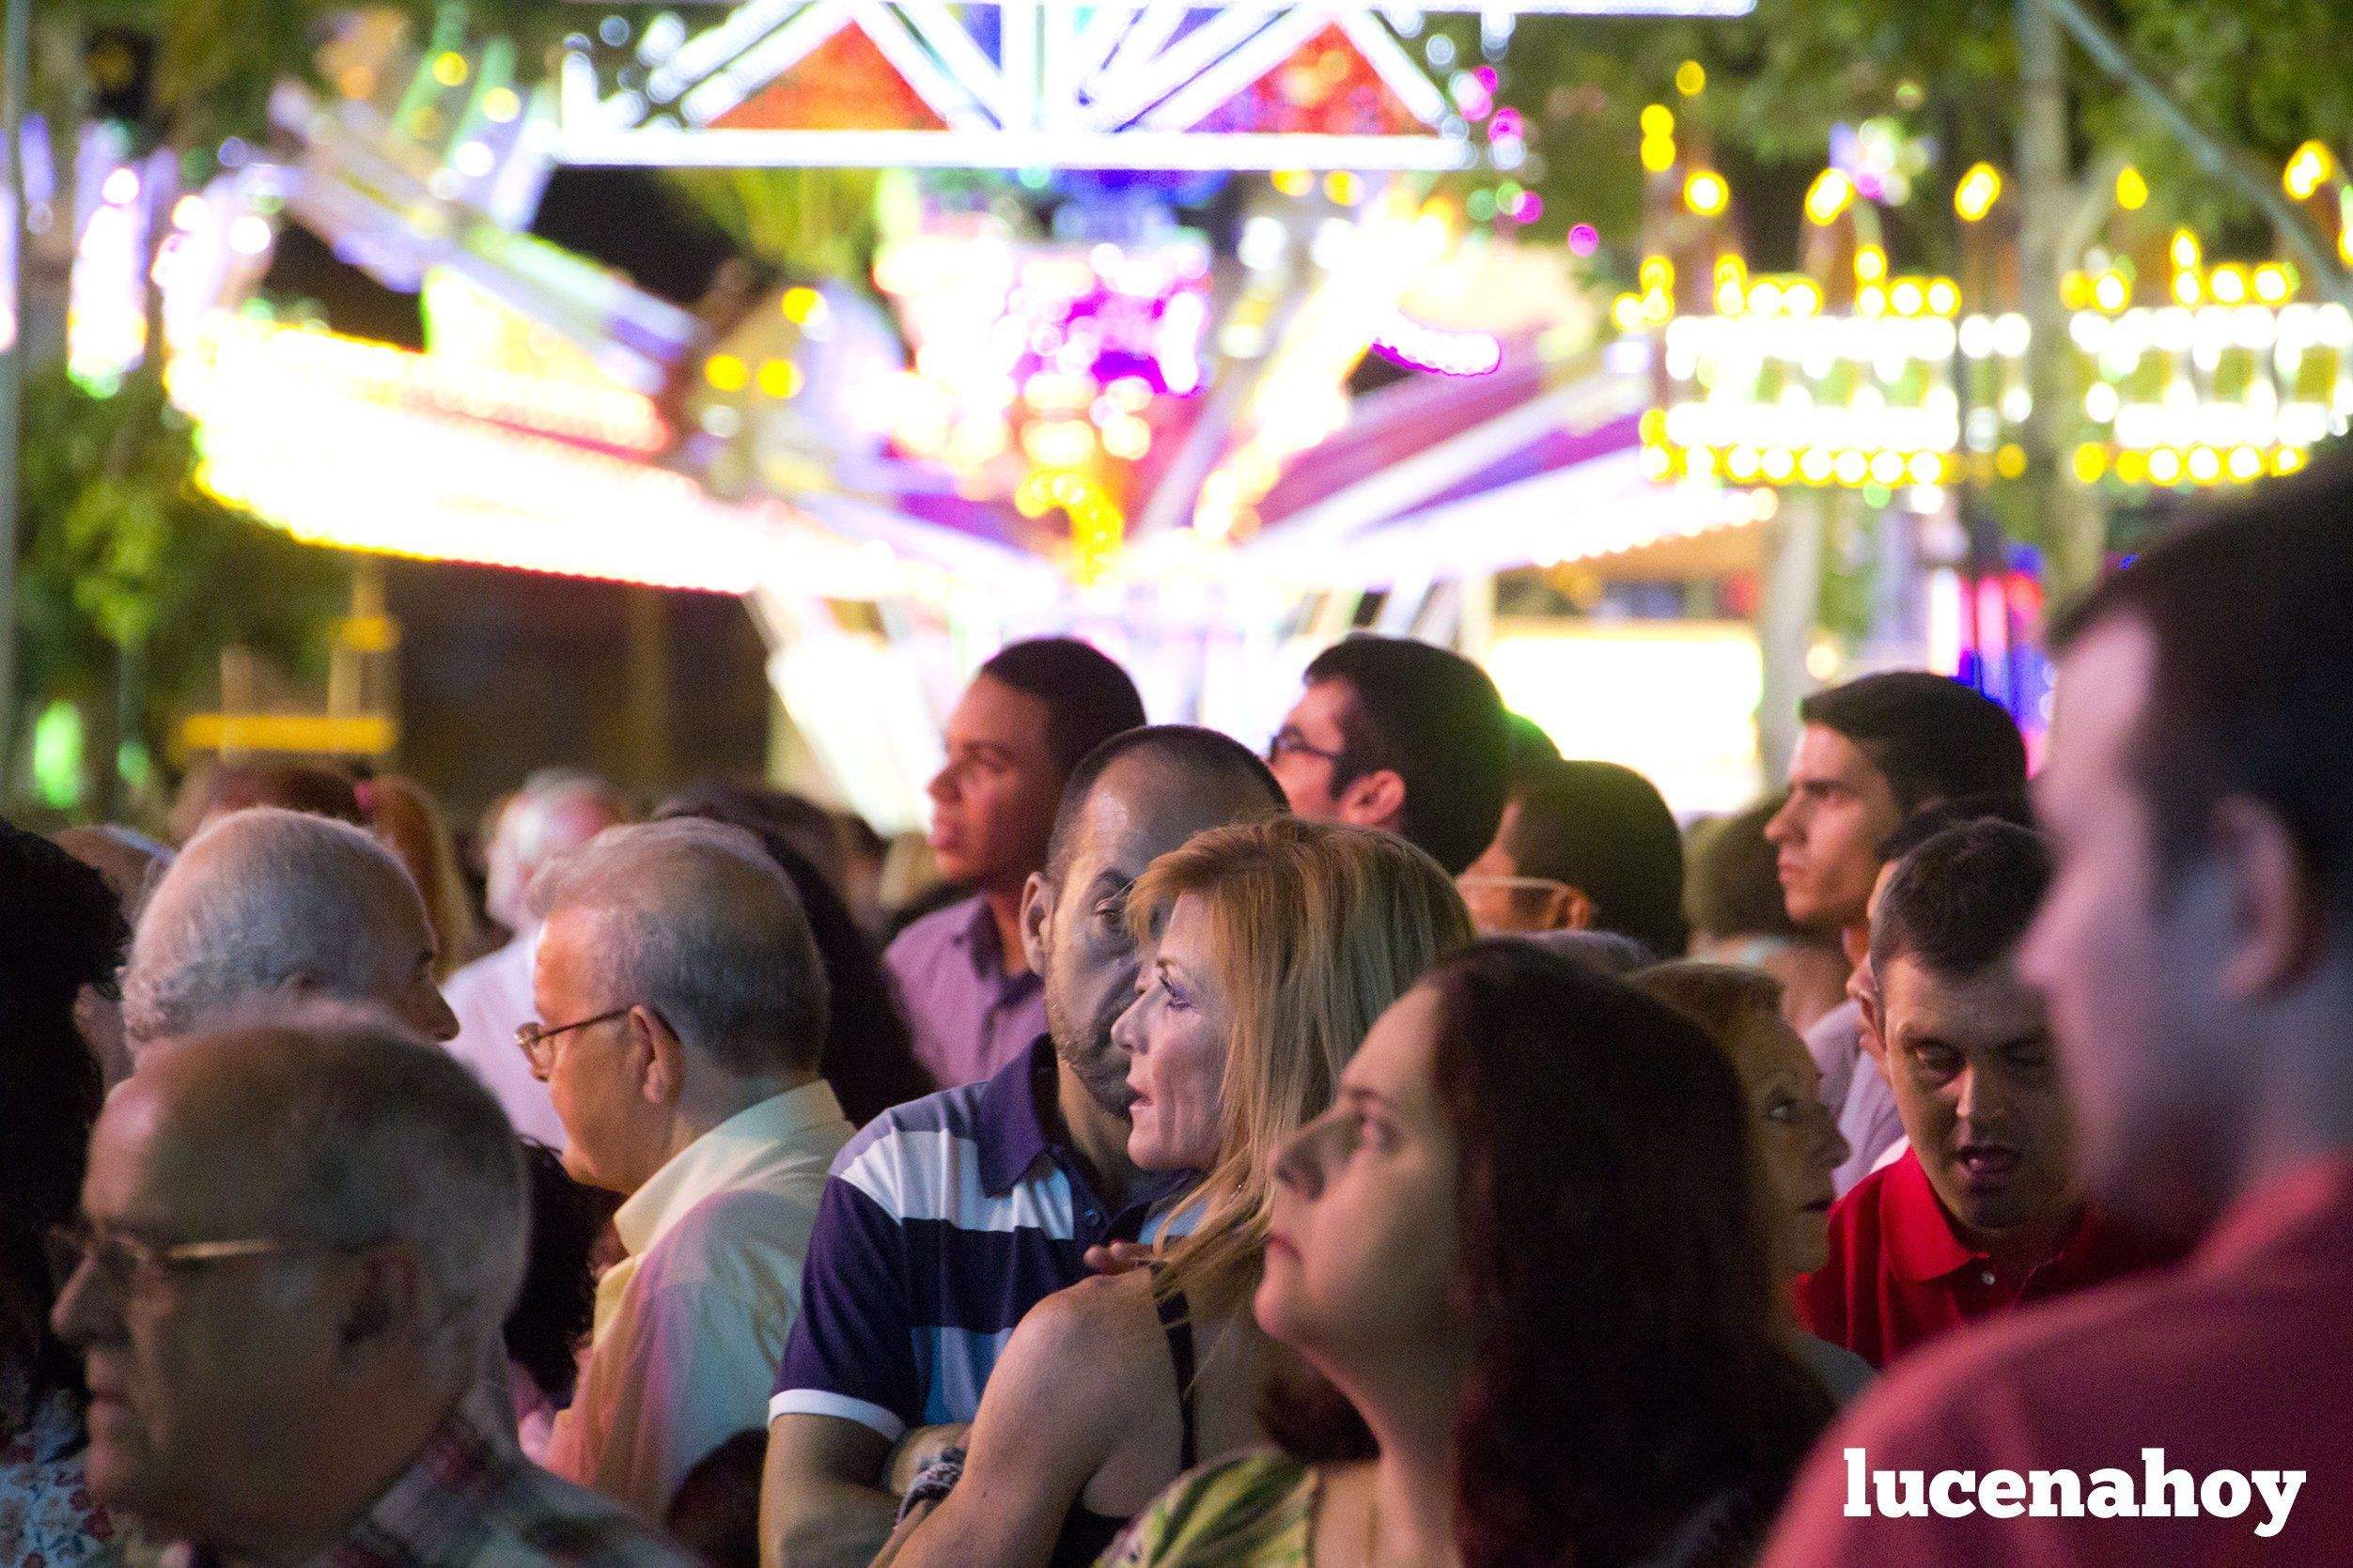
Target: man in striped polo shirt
x=947, y=1218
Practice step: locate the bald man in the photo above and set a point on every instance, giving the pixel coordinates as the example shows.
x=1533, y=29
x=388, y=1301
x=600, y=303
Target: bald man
x=300, y=1239
x=268, y=902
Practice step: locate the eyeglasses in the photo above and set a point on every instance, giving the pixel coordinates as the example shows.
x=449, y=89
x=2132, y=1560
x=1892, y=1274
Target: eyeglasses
x=1289, y=742
x=1468, y=885
x=124, y=1260
x=532, y=1038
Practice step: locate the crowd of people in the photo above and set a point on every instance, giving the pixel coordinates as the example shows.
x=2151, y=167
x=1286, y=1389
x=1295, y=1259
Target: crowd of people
x=1397, y=1147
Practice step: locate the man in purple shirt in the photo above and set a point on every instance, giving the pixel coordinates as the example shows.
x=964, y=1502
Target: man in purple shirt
x=1031, y=713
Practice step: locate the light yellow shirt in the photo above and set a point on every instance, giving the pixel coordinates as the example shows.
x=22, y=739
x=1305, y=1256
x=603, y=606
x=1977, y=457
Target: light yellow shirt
x=691, y=1325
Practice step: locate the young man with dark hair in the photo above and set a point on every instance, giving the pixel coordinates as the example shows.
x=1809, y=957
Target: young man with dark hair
x=1398, y=735
x=1872, y=752
x=2196, y=952
x=1982, y=1212
x=1031, y=713
x=1584, y=846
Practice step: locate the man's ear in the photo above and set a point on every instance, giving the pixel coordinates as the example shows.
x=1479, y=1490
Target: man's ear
x=1874, y=1038
x=387, y=1304
x=2275, y=926
x=657, y=1057
x=1038, y=920
x=1568, y=910
x=1375, y=800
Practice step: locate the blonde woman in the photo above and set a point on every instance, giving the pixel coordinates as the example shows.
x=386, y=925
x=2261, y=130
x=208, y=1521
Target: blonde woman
x=404, y=816
x=1270, y=949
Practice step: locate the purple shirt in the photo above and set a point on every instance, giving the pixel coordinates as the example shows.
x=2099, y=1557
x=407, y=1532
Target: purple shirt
x=970, y=1018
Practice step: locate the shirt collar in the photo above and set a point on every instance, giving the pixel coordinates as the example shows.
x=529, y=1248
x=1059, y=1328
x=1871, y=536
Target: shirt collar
x=984, y=948
x=719, y=1159
x=1010, y=1122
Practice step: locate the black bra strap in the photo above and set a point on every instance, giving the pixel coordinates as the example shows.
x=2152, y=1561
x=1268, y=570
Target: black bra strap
x=1177, y=1323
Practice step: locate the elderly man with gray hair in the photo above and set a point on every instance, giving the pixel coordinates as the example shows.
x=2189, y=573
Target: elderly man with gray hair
x=268, y=902
x=681, y=1011
x=300, y=1235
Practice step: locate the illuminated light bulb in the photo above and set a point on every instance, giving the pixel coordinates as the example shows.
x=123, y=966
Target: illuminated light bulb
x=799, y=303
x=2229, y=285
x=2272, y=284
x=2344, y=244
x=2205, y=465
x=2133, y=189
x=2186, y=250
x=500, y=105
x=1888, y=467
x=727, y=373
x=1657, y=305
x=1691, y=79
x=1741, y=463
x=1658, y=272
x=1852, y=468
x=1658, y=121
x=473, y=158
x=1829, y=197
x=1627, y=313
x=1765, y=298
x=122, y=186
x=1871, y=300
x=1781, y=464
x=1345, y=187
x=1975, y=196
x=2288, y=460
x=2165, y=466
x=1658, y=153
x=1802, y=298
x=2090, y=462
x=1944, y=297
x=1706, y=193
x=1293, y=183
x=449, y=68
x=2246, y=464
x=2010, y=461
x=2308, y=169
x=1925, y=468
x=1656, y=463
x=2132, y=467
x=1814, y=466
x=2075, y=290
x=189, y=211
x=1907, y=297
x=780, y=377
x=2111, y=292
x=1730, y=299
x=2187, y=289
x=1870, y=264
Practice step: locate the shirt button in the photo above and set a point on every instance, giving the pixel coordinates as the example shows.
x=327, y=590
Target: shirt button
x=1986, y=1275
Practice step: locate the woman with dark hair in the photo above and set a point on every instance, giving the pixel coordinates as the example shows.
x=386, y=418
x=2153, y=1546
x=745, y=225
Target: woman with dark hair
x=1521, y=1246
x=60, y=931
x=869, y=1056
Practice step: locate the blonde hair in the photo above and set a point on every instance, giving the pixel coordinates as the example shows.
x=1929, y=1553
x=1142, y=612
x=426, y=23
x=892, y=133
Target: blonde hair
x=406, y=819
x=1314, y=930
x=1722, y=999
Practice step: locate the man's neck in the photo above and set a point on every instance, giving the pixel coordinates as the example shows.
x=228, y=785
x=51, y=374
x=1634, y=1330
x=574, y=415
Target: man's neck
x=1004, y=912
x=1099, y=1138
x=722, y=1102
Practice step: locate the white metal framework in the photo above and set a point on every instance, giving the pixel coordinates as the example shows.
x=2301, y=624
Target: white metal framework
x=1020, y=83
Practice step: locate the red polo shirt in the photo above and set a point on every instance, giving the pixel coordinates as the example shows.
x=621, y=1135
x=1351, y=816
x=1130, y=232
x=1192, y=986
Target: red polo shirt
x=2241, y=1360
x=1899, y=1274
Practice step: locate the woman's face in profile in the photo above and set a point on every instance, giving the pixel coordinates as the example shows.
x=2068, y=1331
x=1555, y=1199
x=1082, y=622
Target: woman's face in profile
x=1174, y=1034
x=1796, y=1140
x=1360, y=1258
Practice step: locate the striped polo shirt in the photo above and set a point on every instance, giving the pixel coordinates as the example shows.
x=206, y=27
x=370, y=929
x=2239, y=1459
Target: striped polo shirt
x=944, y=1221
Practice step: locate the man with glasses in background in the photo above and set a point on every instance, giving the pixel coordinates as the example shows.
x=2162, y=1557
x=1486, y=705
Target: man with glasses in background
x=299, y=1239
x=1401, y=736
x=682, y=1007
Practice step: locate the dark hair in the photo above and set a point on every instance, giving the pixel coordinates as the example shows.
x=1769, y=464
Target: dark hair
x=798, y=821
x=1933, y=737
x=1928, y=821
x=868, y=1054
x=1733, y=888
x=1208, y=759
x=1626, y=1368
x=1434, y=719
x=557, y=1304
x=1088, y=697
x=1604, y=830
x=1961, y=901
x=60, y=929
x=1606, y=1184
x=1530, y=749
x=2252, y=693
x=715, y=1513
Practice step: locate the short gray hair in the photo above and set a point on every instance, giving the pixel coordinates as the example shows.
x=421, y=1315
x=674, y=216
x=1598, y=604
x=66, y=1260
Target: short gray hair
x=261, y=897
x=375, y=1136
x=701, y=926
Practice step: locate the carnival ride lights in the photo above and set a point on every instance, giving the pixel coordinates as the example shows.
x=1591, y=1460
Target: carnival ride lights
x=2235, y=379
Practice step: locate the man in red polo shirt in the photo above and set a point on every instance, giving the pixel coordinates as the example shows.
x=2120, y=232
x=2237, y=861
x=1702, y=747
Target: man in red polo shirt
x=2196, y=949
x=1983, y=1211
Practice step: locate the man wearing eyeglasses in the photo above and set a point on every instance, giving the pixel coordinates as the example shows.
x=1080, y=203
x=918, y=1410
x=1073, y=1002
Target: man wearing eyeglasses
x=682, y=1010
x=299, y=1240
x=1402, y=736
